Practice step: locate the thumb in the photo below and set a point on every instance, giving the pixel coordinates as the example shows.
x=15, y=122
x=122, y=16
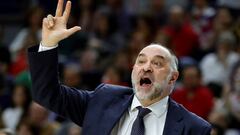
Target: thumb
x=73, y=30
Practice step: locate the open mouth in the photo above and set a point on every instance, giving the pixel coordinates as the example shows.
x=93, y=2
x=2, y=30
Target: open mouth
x=145, y=81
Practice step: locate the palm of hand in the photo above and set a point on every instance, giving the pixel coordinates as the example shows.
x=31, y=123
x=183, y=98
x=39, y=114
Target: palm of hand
x=54, y=29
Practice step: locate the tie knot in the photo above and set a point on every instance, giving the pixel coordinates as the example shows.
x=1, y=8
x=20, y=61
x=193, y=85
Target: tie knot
x=143, y=111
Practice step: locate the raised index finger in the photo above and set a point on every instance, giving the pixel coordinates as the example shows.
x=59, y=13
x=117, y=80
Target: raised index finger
x=59, y=8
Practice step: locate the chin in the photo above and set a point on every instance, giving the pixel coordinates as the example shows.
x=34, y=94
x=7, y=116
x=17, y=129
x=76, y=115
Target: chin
x=155, y=91
x=143, y=94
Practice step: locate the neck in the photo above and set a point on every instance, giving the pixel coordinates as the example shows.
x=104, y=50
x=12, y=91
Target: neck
x=148, y=102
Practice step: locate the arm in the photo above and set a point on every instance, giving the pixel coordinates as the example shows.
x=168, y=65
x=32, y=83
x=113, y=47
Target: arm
x=47, y=90
x=206, y=131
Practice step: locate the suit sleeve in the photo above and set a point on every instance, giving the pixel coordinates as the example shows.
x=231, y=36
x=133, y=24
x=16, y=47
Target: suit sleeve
x=47, y=90
x=207, y=131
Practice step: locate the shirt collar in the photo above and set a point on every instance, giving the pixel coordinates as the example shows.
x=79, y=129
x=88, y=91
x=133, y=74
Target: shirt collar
x=157, y=108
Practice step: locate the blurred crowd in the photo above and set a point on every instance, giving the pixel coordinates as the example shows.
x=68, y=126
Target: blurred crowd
x=204, y=35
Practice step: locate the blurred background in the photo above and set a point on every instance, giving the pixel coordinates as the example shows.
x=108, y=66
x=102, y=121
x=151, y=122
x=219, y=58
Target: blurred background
x=204, y=34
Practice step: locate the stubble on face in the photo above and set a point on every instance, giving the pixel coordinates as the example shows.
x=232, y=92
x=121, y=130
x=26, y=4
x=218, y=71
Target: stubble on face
x=155, y=92
x=152, y=73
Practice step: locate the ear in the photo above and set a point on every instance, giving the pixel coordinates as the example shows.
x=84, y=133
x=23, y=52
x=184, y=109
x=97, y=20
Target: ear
x=174, y=77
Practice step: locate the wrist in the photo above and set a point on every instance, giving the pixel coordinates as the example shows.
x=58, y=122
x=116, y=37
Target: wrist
x=48, y=43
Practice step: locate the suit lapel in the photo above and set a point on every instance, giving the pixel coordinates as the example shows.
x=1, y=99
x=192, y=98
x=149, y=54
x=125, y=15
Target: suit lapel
x=173, y=125
x=114, y=112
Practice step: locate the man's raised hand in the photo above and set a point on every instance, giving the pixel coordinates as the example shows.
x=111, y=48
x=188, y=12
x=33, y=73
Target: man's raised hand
x=54, y=29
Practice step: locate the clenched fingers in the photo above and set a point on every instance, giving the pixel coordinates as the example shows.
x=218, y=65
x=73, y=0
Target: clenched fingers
x=50, y=20
x=45, y=22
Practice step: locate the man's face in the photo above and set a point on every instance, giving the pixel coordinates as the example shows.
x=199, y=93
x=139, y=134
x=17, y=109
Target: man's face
x=152, y=73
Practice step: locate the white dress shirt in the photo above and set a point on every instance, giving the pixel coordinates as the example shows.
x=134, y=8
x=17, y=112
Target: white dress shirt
x=45, y=48
x=154, y=121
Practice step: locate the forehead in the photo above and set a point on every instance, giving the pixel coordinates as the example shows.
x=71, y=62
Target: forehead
x=155, y=51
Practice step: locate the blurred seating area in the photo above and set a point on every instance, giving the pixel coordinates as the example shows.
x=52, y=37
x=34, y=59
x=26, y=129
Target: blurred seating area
x=204, y=35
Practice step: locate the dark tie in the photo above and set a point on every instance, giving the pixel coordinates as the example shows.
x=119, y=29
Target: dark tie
x=138, y=127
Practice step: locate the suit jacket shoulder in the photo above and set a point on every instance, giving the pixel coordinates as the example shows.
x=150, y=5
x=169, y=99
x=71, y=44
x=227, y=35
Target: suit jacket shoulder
x=180, y=121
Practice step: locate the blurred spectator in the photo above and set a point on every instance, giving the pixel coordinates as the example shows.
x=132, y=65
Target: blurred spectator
x=86, y=13
x=21, y=100
x=4, y=98
x=216, y=66
x=192, y=92
x=137, y=7
x=162, y=38
x=202, y=19
x=26, y=128
x=113, y=76
x=71, y=75
x=28, y=36
x=219, y=122
x=121, y=16
x=89, y=69
x=24, y=79
x=185, y=62
x=232, y=95
x=145, y=24
x=6, y=132
x=107, y=39
x=236, y=30
x=38, y=117
x=31, y=33
x=6, y=80
x=225, y=116
x=183, y=39
x=5, y=63
x=123, y=64
x=170, y=3
x=158, y=12
x=233, y=5
x=74, y=130
x=137, y=41
x=69, y=128
x=222, y=22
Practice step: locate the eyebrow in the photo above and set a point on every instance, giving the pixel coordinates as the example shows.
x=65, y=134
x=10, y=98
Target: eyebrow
x=141, y=54
x=160, y=57
x=156, y=56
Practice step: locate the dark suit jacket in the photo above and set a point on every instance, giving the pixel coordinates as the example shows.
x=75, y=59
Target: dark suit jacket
x=98, y=111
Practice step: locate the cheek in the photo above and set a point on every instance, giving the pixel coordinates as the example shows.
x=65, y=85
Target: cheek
x=161, y=76
x=134, y=72
x=133, y=77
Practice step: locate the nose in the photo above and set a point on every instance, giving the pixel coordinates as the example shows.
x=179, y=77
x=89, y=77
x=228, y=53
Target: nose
x=147, y=67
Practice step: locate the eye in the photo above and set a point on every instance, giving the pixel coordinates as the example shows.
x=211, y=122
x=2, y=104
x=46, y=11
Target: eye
x=157, y=63
x=141, y=61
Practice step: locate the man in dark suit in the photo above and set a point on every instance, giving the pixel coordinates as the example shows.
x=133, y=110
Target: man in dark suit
x=144, y=109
